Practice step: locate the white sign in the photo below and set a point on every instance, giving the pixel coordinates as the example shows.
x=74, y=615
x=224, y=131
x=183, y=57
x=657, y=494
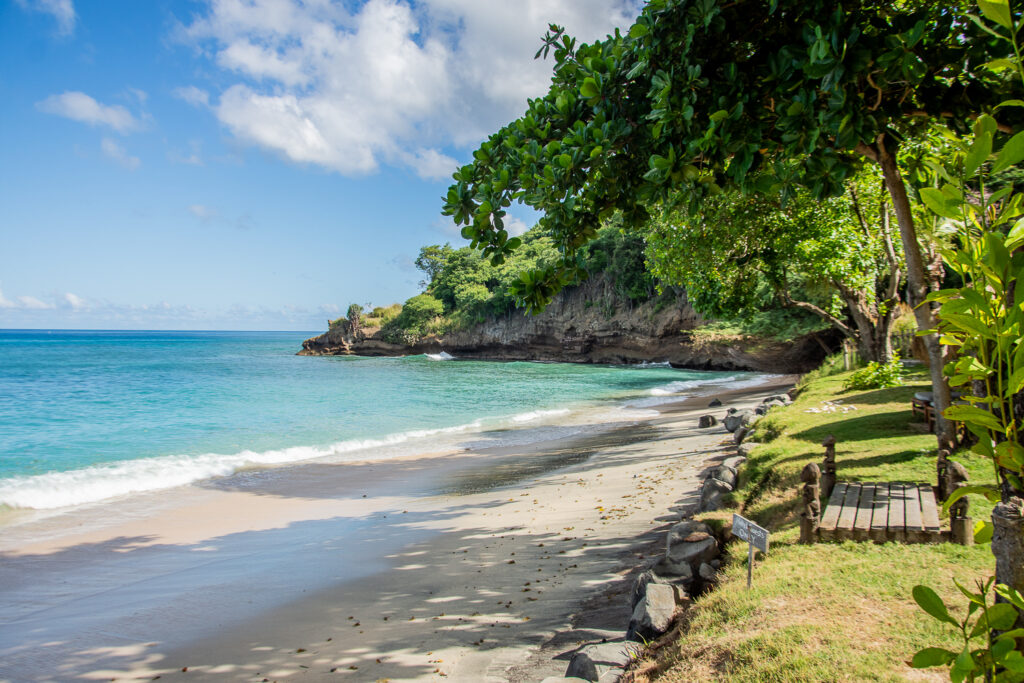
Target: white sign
x=751, y=533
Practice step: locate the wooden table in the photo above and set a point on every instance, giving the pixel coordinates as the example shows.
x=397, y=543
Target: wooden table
x=888, y=511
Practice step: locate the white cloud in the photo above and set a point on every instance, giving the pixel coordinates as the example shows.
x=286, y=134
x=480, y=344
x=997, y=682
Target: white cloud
x=118, y=154
x=5, y=302
x=33, y=303
x=203, y=212
x=78, y=106
x=515, y=227
x=76, y=302
x=197, y=97
x=393, y=82
x=61, y=10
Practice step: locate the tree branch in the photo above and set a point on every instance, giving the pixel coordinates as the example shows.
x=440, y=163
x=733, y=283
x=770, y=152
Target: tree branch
x=821, y=312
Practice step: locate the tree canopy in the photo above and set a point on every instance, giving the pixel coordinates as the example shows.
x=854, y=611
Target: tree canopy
x=700, y=94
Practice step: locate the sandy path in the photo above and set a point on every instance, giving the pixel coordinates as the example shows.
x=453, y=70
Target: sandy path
x=473, y=567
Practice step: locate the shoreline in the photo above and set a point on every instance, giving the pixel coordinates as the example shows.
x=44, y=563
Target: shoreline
x=254, y=572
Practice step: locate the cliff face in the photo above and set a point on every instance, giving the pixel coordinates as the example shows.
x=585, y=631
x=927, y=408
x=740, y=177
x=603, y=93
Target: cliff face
x=588, y=324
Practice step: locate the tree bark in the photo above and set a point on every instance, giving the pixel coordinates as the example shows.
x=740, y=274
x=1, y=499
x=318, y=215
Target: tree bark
x=917, y=283
x=1008, y=545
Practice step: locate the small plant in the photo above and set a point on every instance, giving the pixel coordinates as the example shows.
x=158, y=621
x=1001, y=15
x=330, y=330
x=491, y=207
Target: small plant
x=986, y=655
x=876, y=375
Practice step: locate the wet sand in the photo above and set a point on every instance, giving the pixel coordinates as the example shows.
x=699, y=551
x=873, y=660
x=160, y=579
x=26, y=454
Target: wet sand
x=490, y=565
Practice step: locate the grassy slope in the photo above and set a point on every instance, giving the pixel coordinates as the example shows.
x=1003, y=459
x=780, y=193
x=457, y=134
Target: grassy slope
x=827, y=612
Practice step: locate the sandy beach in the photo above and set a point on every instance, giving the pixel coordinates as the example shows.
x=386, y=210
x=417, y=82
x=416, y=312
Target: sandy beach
x=483, y=565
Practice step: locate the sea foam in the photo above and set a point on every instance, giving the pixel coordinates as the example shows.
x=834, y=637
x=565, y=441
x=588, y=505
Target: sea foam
x=101, y=482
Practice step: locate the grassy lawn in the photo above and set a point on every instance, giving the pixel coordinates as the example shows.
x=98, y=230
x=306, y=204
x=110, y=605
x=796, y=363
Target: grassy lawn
x=827, y=612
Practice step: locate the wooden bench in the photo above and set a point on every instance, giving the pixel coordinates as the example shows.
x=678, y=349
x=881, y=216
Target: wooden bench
x=887, y=511
x=907, y=512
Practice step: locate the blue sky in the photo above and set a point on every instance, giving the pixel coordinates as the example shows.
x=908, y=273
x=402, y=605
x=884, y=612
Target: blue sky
x=246, y=164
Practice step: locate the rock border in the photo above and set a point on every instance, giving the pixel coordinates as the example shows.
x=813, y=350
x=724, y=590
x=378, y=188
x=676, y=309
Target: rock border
x=689, y=566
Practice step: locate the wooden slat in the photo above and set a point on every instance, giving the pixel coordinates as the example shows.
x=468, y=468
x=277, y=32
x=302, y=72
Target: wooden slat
x=834, y=507
x=897, y=529
x=912, y=516
x=865, y=509
x=880, y=513
x=929, y=510
x=844, y=528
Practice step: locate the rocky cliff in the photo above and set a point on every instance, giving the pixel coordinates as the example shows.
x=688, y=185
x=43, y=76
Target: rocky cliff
x=589, y=324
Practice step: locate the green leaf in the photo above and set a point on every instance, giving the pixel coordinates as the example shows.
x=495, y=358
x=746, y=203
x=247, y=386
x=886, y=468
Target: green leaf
x=1016, y=235
x=983, y=531
x=638, y=30
x=1011, y=635
x=997, y=11
x=1002, y=616
x=932, y=656
x=973, y=415
x=1012, y=153
x=931, y=603
x=1011, y=595
x=980, y=149
x=1000, y=64
x=938, y=203
x=589, y=88
x=989, y=492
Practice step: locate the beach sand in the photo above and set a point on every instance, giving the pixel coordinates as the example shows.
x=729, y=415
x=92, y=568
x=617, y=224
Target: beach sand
x=490, y=565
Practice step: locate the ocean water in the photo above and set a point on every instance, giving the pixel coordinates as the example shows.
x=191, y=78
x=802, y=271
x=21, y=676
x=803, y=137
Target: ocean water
x=87, y=416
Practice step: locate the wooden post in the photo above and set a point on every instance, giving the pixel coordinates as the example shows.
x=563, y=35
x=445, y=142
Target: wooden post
x=961, y=527
x=810, y=518
x=941, y=465
x=828, y=477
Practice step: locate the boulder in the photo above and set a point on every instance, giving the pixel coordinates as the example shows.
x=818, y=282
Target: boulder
x=611, y=676
x=735, y=461
x=707, y=421
x=643, y=579
x=679, y=572
x=693, y=553
x=761, y=409
x=749, y=419
x=652, y=616
x=591, y=661
x=740, y=434
x=782, y=399
x=683, y=530
x=726, y=475
x=746, y=447
x=706, y=572
x=714, y=403
x=562, y=679
x=711, y=494
x=733, y=420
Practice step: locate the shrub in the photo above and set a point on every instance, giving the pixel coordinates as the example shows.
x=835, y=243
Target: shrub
x=876, y=375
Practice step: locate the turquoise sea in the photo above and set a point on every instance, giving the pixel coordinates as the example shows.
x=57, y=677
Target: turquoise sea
x=91, y=415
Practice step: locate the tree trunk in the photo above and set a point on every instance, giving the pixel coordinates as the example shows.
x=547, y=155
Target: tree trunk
x=1008, y=545
x=917, y=284
x=874, y=341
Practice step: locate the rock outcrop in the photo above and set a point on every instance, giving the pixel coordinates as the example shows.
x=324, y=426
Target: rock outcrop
x=589, y=324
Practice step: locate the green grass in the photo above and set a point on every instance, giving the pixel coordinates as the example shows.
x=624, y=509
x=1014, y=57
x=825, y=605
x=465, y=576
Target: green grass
x=828, y=612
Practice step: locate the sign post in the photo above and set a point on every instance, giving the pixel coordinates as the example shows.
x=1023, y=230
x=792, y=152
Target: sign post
x=754, y=535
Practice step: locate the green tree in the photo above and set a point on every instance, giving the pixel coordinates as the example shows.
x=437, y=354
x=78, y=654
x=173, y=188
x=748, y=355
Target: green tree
x=834, y=258
x=431, y=260
x=700, y=93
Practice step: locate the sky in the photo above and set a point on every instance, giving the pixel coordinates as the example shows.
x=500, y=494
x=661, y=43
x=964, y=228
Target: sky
x=247, y=164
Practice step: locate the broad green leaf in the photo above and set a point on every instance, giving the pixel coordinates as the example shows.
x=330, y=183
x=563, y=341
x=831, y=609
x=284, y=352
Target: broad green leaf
x=1002, y=616
x=1011, y=595
x=1016, y=235
x=968, y=323
x=963, y=665
x=938, y=203
x=973, y=415
x=932, y=656
x=983, y=529
x=1000, y=64
x=589, y=88
x=640, y=30
x=1010, y=103
x=976, y=598
x=931, y=603
x=1011, y=154
x=979, y=151
x=989, y=492
x=997, y=11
